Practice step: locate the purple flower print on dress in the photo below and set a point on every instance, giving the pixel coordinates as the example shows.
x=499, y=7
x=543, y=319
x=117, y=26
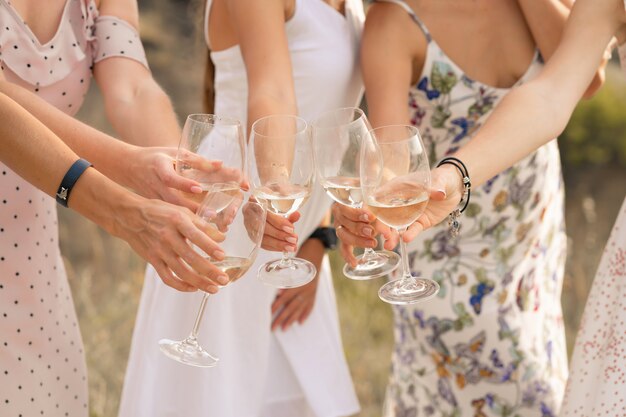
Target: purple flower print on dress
x=444, y=246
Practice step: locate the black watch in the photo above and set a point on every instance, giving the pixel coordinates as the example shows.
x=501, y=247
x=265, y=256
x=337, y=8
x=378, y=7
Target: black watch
x=326, y=235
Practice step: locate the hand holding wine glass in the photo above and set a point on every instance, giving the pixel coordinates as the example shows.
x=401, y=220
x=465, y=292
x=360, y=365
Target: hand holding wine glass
x=214, y=138
x=395, y=179
x=337, y=138
x=243, y=222
x=281, y=175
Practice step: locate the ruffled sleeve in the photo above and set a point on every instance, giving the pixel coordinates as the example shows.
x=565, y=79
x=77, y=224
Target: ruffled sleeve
x=115, y=37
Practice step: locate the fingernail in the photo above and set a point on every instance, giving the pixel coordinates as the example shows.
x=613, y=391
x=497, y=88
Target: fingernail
x=441, y=193
x=218, y=254
x=368, y=231
x=292, y=240
x=196, y=189
x=364, y=217
x=211, y=289
x=223, y=279
x=288, y=229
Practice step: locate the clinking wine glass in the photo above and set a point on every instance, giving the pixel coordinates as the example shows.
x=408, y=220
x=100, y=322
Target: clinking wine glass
x=395, y=179
x=337, y=137
x=216, y=138
x=281, y=170
x=243, y=222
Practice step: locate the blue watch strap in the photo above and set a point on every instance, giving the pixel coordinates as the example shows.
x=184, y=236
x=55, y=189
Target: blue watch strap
x=70, y=178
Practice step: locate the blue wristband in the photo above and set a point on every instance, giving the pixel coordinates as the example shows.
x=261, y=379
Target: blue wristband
x=70, y=178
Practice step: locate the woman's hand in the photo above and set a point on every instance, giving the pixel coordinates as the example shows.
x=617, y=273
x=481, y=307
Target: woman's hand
x=295, y=304
x=446, y=193
x=163, y=234
x=357, y=227
x=152, y=173
x=279, y=233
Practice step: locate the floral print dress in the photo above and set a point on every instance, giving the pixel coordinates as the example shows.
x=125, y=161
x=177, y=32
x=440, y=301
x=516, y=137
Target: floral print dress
x=492, y=343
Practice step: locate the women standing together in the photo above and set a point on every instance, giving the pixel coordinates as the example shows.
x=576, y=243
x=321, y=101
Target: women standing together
x=491, y=343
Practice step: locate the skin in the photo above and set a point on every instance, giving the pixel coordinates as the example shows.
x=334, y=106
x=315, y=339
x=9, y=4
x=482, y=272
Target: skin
x=259, y=30
x=142, y=113
x=156, y=230
x=538, y=111
x=506, y=35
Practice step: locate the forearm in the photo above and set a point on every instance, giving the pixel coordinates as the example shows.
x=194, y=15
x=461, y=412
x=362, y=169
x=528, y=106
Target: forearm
x=109, y=155
x=144, y=115
x=525, y=119
x=24, y=139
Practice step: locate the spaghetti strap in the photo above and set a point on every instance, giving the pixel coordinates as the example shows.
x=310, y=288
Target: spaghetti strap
x=411, y=13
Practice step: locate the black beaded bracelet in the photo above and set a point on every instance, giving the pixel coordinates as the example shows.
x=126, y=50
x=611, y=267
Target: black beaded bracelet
x=70, y=178
x=453, y=220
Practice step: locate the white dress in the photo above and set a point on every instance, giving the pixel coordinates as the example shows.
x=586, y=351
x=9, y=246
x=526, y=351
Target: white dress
x=298, y=373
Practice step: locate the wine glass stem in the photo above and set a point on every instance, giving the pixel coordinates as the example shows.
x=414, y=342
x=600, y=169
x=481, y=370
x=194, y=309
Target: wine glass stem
x=196, y=326
x=287, y=257
x=368, y=253
x=406, y=273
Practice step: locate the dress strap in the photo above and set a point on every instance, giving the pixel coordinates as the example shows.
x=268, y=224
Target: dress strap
x=411, y=13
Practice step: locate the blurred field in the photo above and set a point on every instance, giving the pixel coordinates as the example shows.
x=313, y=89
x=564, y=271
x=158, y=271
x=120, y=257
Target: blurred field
x=106, y=277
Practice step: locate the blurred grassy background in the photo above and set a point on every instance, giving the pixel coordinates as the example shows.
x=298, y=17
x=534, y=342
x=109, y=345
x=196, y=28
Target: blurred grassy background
x=106, y=277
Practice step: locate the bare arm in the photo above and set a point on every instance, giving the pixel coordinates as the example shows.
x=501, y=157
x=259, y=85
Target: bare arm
x=546, y=20
x=157, y=231
x=137, y=107
x=260, y=29
x=533, y=114
x=149, y=171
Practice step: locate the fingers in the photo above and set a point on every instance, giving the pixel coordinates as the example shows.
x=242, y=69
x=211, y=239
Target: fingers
x=353, y=239
x=170, y=279
x=413, y=230
x=188, y=275
x=279, y=240
x=279, y=233
x=347, y=254
x=198, y=162
x=290, y=305
x=352, y=226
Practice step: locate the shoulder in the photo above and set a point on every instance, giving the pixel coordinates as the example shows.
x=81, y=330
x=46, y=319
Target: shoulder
x=389, y=28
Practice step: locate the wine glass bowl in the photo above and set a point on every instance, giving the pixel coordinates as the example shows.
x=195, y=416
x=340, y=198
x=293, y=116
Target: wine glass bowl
x=282, y=173
x=395, y=180
x=337, y=138
x=216, y=138
x=243, y=222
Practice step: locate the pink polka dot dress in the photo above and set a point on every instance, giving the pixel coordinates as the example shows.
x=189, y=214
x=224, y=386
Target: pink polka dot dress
x=42, y=363
x=597, y=380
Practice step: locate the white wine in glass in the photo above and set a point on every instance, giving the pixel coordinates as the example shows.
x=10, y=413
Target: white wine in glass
x=243, y=222
x=281, y=170
x=395, y=179
x=337, y=137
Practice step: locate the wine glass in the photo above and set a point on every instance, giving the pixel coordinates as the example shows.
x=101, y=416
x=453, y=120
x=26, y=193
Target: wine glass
x=243, y=222
x=281, y=173
x=395, y=179
x=216, y=138
x=337, y=137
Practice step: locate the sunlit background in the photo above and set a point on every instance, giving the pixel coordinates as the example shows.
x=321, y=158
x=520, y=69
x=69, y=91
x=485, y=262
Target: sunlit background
x=106, y=277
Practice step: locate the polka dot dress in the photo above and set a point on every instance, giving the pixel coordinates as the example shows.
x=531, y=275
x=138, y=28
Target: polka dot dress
x=597, y=381
x=42, y=362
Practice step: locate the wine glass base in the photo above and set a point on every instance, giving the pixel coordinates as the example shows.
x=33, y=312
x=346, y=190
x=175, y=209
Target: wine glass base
x=187, y=352
x=291, y=274
x=406, y=291
x=377, y=265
